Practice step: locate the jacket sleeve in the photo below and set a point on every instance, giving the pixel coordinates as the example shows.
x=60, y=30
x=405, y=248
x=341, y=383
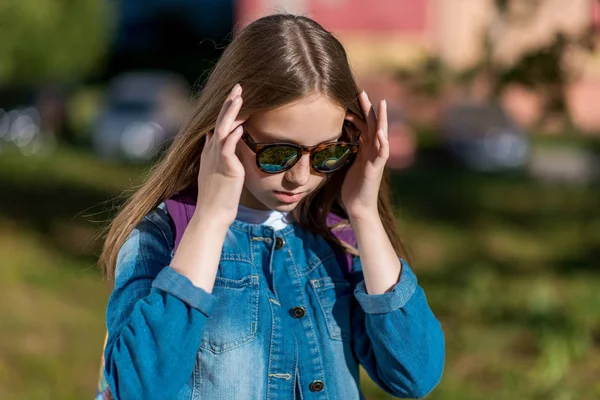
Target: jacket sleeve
x=396, y=337
x=154, y=317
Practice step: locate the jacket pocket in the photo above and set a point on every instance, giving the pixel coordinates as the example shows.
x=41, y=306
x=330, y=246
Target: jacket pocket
x=334, y=298
x=234, y=319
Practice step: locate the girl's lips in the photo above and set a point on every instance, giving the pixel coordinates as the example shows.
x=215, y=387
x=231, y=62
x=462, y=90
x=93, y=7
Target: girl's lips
x=287, y=197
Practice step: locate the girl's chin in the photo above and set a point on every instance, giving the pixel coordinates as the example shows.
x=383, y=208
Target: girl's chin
x=285, y=207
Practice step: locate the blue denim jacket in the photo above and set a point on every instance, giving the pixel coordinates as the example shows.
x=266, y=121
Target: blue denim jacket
x=283, y=321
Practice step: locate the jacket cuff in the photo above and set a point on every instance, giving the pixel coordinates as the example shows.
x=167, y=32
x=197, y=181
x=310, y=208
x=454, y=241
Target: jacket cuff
x=390, y=301
x=182, y=287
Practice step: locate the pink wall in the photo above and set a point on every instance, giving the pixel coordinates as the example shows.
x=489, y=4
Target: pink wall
x=406, y=16
x=394, y=16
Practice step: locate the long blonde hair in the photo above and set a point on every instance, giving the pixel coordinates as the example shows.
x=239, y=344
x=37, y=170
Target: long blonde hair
x=277, y=59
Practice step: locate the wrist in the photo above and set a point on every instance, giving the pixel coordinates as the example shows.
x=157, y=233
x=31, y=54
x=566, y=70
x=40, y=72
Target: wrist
x=209, y=222
x=364, y=216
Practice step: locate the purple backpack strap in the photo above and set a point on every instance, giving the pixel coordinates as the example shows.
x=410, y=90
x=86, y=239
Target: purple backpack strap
x=181, y=207
x=345, y=234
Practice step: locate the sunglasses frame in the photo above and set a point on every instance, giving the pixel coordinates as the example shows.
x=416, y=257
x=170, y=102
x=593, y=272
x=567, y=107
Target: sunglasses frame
x=259, y=148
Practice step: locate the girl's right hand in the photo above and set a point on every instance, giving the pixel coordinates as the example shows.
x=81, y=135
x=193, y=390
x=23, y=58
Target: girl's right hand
x=221, y=175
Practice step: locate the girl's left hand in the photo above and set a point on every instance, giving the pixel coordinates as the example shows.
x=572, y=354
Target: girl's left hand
x=360, y=189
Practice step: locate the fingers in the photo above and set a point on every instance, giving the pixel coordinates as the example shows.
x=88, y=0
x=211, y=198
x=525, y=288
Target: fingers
x=382, y=117
x=375, y=128
x=226, y=121
x=230, y=115
x=369, y=112
x=227, y=103
x=238, y=122
x=231, y=141
x=229, y=111
x=384, y=148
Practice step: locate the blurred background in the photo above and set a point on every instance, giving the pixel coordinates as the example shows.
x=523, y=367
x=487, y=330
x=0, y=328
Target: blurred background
x=495, y=134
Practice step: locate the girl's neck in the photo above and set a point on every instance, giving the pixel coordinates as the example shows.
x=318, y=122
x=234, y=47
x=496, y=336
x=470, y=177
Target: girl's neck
x=273, y=218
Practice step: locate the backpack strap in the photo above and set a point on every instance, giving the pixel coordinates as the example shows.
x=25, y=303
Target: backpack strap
x=182, y=204
x=344, y=234
x=181, y=207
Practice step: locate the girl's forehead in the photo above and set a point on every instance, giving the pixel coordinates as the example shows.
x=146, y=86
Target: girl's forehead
x=308, y=121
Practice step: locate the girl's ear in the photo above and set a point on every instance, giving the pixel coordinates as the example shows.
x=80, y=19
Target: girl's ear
x=350, y=131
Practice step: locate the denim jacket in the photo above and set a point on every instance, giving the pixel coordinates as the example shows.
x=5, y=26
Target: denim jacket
x=283, y=321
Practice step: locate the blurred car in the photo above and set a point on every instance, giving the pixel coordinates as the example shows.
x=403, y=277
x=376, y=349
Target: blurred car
x=32, y=118
x=484, y=137
x=144, y=110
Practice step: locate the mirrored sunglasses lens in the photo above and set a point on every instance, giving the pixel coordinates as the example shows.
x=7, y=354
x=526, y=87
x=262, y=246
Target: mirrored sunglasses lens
x=276, y=159
x=331, y=158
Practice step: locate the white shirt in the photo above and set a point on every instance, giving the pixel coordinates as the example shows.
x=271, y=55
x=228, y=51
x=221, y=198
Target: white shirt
x=273, y=218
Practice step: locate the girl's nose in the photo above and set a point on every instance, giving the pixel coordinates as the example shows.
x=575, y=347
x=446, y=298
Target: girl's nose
x=299, y=174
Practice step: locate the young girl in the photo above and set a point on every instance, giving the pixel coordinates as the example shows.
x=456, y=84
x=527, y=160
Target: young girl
x=248, y=297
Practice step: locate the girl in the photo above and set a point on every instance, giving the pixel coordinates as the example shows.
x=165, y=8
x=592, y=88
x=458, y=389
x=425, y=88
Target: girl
x=247, y=298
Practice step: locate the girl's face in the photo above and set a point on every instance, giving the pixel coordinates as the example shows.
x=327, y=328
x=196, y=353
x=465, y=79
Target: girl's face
x=309, y=121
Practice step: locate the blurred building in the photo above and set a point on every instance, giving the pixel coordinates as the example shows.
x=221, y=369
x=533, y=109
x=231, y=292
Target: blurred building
x=382, y=35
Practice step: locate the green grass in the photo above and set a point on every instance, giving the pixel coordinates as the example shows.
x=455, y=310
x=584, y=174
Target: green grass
x=509, y=266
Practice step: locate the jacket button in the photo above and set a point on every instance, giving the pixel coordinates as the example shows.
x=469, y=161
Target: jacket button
x=278, y=243
x=298, y=312
x=316, y=386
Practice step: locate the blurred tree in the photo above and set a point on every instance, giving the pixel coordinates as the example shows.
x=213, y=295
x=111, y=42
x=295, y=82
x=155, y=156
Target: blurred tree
x=429, y=79
x=543, y=69
x=58, y=40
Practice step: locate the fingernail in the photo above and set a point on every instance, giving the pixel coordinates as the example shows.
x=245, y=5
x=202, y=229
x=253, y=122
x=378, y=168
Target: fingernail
x=236, y=88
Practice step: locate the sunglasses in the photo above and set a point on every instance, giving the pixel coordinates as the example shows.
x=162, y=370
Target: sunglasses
x=325, y=158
